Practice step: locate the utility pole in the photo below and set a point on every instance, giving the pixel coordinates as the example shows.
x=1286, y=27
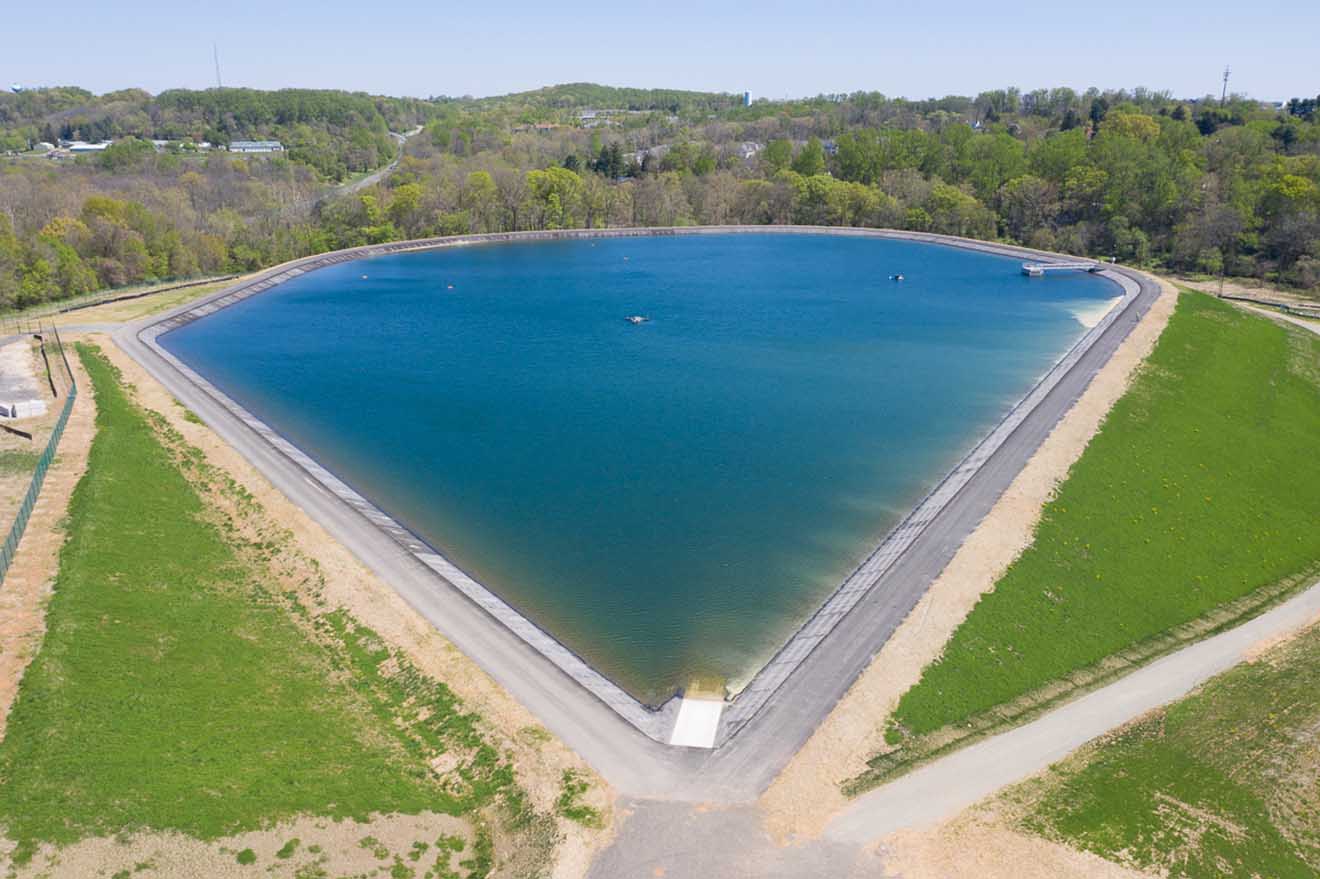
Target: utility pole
x=215, y=50
x=1223, y=95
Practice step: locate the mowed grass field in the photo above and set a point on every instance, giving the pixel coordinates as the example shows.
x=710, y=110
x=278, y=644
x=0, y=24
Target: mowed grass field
x=1220, y=784
x=176, y=689
x=1201, y=488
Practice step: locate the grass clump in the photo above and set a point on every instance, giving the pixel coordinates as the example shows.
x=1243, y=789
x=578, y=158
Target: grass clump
x=1220, y=784
x=286, y=851
x=378, y=851
x=247, y=856
x=176, y=690
x=570, y=805
x=1201, y=489
x=18, y=461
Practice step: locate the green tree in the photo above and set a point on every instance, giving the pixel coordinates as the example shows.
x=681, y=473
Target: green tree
x=129, y=152
x=480, y=198
x=810, y=160
x=557, y=196
x=1026, y=204
x=777, y=155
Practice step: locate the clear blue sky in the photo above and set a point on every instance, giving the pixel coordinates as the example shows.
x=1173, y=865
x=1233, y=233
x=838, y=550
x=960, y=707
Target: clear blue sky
x=775, y=49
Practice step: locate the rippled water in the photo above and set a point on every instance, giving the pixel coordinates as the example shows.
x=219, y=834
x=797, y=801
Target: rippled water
x=672, y=498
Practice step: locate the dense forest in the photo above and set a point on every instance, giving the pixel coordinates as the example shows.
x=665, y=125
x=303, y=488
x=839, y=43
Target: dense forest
x=335, y=133
x=1200, y=185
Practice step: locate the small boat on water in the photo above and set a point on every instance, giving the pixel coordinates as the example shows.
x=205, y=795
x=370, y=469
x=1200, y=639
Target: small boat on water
x=897, y=277
x=637, y=318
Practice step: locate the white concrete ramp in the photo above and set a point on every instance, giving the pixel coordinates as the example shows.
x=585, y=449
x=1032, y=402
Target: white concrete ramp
x=697, y=723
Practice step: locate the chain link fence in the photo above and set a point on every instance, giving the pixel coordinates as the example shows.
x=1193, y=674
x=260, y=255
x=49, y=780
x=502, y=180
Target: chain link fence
x=57, y=361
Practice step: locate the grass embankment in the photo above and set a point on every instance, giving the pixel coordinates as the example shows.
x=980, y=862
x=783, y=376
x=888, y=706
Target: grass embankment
x=1194, y=506
x=1220, y=784
x=178, y=688
x=122, y=303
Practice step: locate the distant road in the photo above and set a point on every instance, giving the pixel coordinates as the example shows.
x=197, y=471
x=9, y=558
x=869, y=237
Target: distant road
x=376, y=176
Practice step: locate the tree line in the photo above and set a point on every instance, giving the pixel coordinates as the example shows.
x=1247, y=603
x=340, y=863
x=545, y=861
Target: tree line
x=1198, y=186
x=336, y=133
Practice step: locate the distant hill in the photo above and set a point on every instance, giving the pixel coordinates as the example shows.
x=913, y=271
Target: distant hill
x=581, y=95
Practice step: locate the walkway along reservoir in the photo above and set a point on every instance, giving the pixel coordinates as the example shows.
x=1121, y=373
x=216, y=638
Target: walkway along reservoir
x=858, y=589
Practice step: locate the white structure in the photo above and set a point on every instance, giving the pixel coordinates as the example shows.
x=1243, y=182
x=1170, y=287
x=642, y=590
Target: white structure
x=749, y=149
x=256, y=146
x=698, y=723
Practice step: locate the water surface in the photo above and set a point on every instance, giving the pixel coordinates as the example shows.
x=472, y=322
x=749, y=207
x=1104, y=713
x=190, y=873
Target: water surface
x=669, y=499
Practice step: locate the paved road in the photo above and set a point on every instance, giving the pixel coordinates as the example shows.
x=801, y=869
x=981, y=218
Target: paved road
x=377, y=176
x=633, y=764
x=945, y=787
x=661, y=827
x=677, y=840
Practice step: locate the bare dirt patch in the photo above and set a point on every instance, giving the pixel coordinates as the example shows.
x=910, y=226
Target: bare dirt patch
x=19, y=454
x=28, y=582
x=302, y=849
x=328, y=576
x=979, y=844
x=1249, y=287
x=807, y=792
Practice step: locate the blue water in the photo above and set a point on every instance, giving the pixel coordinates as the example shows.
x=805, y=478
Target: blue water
x=672, y=499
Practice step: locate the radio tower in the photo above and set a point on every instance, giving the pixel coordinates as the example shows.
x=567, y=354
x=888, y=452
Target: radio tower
x=215, y=50
x=1223, y=95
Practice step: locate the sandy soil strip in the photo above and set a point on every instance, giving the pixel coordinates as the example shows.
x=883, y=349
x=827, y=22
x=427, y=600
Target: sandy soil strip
x=1248, y=287
x=344, y=848
x=979, y=844
x=805, y=795
x=539, y=759
x=28, y=583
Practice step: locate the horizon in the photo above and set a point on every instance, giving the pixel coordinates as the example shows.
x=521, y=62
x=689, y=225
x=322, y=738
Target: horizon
x=17, y=87
x=780, y=53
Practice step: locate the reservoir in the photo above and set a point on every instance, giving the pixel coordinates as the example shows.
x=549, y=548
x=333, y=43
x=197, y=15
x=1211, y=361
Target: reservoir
x=670, y=497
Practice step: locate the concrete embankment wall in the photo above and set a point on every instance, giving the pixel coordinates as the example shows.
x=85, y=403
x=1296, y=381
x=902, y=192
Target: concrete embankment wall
x=654, y=722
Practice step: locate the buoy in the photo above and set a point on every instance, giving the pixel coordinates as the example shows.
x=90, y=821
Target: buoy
x=364, y=277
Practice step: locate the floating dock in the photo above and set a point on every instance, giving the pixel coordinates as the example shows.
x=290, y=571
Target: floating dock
x=1038, y=269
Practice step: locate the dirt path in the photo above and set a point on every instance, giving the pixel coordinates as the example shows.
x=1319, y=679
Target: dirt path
x=1313, y=326
x=938, y=790
x=1248, y=287
x=806, y=793
x=30, y=578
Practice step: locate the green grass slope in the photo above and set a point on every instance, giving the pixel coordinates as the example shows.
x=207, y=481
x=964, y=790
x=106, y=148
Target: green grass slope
x=1221, y=784
x=1201, y=488
x=174, y=692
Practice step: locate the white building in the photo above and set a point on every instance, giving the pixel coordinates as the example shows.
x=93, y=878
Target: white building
x=256, y=146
